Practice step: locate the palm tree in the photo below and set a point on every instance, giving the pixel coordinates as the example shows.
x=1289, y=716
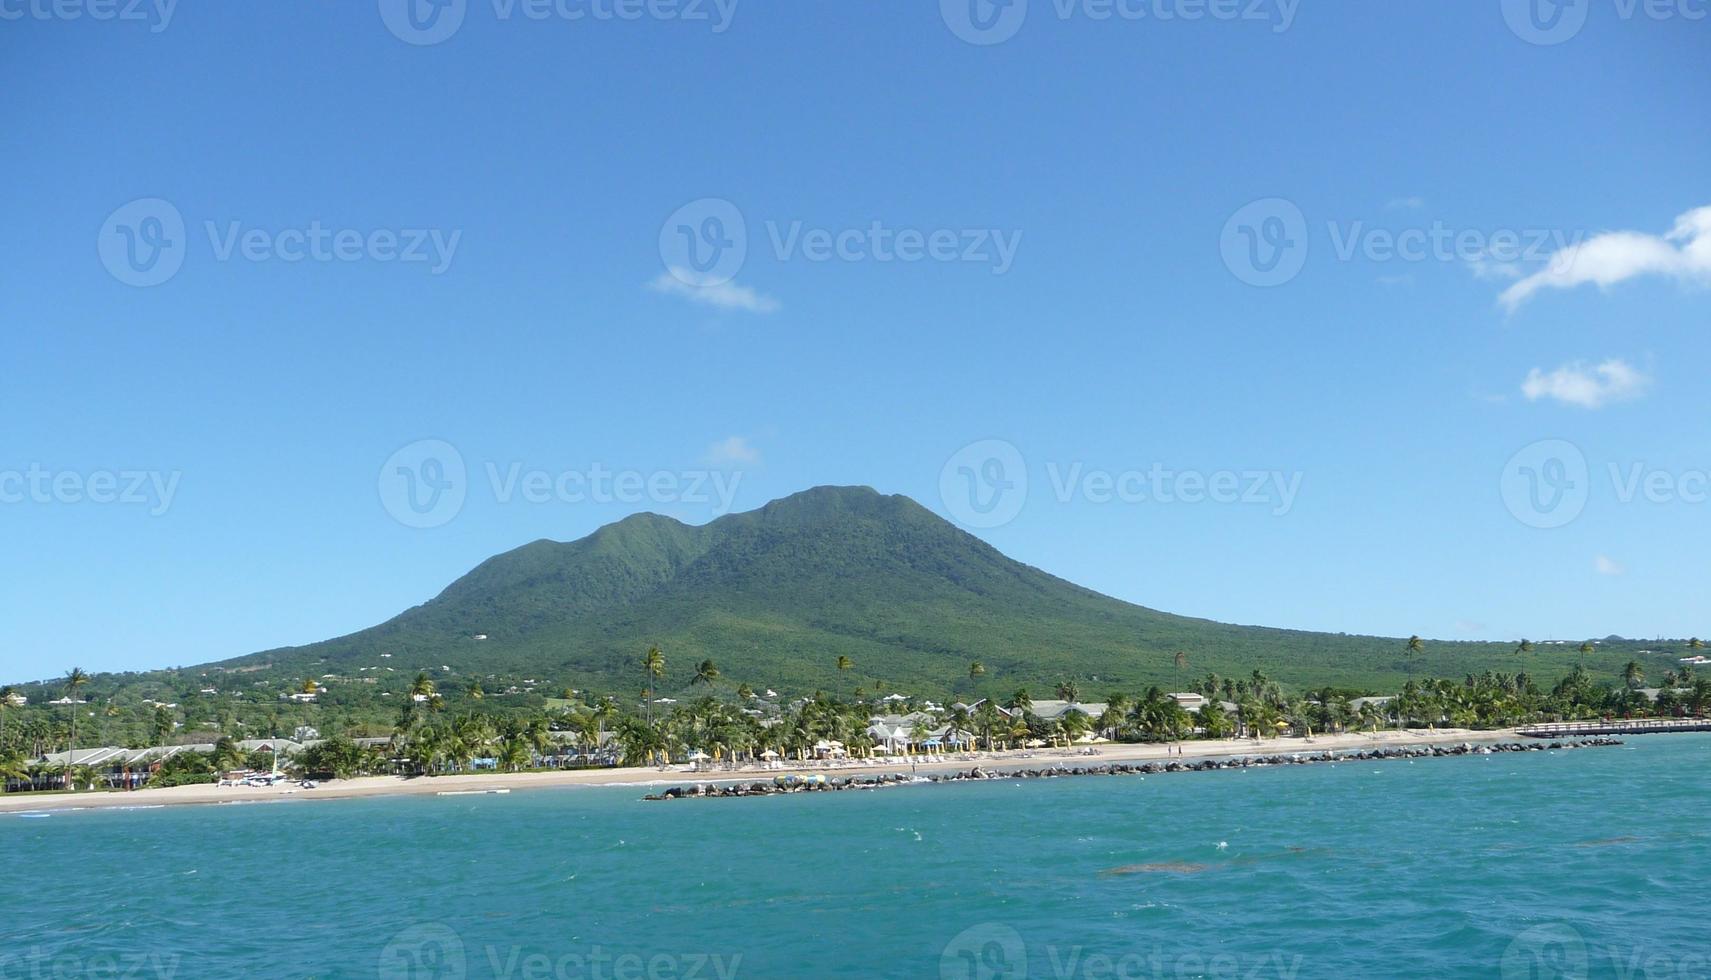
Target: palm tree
x=163, y=724
x=1018, y=729
x=745, y=692
x=845, y=663
x=1067, y=691
x=987, y=717
x=8, y=699
x=1525, y=646
x=1074, y=725
x=538, y=734
x=1416, y=646
x=1180, y=659
x=1695, y=644
x=1213, y=721
x=1369, y=716
x=75, y=678
x=1634, y=675
x=111, y=711
x=1585, y=648
x=513, y=747
x=706, y=673
x=653, y=668
x=1020, y=702
x=422, y=688
x=961, y=721
x=475, y=690
x=976, y=670
x=1111, y=719
x=13, y=768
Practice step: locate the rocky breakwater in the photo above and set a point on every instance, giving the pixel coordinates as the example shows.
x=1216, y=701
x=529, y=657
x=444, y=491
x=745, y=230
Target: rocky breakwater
x=818, y=783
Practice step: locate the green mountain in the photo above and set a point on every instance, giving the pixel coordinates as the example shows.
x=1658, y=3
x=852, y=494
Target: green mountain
x=775, y=596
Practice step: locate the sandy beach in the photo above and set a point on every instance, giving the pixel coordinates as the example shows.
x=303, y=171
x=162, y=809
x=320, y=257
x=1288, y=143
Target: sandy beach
x=370, y=786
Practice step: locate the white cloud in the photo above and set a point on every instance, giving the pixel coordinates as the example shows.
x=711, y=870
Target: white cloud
x=734, y=449
x=1487, y=268
x=1613, y=257
x=1572, y=384
x=1405, y=203
x=723, y=295
x=1608, y=566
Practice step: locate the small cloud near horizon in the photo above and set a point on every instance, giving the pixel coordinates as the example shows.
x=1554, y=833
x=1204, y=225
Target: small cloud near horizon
x=721, y=295
x=1683, y=254
x=1608, y=566
x=1487, y=269
x=731, y=450
x=1573, y=384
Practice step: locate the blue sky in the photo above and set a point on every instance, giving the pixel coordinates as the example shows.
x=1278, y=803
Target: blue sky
x=477, y=241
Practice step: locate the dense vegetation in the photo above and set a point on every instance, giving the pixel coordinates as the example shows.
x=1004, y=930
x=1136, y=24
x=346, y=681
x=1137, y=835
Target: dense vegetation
x=734, y=722
x=833, y=589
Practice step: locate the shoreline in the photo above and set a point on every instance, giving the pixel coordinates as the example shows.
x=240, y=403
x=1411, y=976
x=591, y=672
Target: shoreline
x=366, y=787
x=1180, y=764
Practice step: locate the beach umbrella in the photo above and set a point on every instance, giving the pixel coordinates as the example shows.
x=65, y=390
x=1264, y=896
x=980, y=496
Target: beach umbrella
x=769, y=754
x=697, y=755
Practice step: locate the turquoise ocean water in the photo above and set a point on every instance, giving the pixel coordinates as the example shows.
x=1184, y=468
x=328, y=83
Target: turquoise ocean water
x=1588, y=863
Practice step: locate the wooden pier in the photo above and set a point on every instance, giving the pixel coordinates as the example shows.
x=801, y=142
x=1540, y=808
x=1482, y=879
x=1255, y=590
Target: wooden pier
x=1633, y=726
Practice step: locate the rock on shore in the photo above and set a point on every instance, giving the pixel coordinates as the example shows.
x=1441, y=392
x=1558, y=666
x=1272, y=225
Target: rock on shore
x=819, y=783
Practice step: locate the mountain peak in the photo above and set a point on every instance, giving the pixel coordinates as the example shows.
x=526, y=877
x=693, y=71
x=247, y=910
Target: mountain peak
x=776, y=595
x=826, y=502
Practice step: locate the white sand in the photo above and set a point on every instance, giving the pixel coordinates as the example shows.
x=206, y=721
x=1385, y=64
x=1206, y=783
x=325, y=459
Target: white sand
x=679, y=775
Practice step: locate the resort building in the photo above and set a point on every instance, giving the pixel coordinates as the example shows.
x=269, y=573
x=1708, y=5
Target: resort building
x=125, y=768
